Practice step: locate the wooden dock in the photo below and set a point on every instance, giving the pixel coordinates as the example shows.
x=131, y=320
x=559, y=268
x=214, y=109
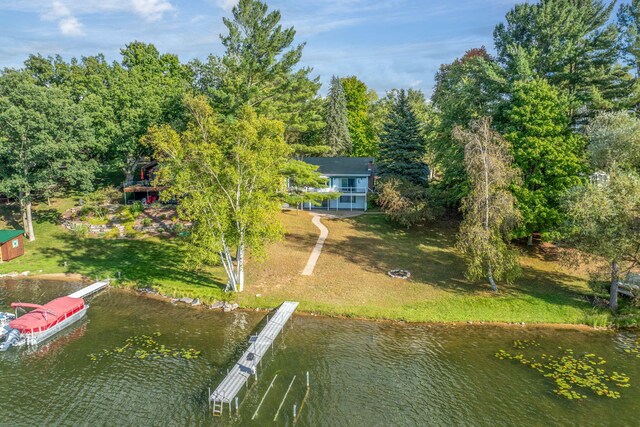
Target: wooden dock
x=247, y=365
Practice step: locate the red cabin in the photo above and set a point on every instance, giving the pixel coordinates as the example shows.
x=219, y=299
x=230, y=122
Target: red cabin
x=11, y=244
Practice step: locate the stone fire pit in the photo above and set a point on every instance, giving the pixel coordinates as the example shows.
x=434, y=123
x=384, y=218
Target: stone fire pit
x=399, y=274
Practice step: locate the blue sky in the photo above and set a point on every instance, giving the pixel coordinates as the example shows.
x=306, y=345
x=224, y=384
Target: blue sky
x=386, y=43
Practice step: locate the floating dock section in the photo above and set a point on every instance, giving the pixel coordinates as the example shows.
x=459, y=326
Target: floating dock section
x=91, y=289
x=247, y=365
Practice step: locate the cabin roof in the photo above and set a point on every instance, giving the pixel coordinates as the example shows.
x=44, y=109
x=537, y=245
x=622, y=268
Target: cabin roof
x=341, y=165
x=6, y=235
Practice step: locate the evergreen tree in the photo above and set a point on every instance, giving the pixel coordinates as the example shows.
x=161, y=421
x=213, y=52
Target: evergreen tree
x=402, y=146
x=572, y=44
x=336, y=130
x=549, y=155
x=260, y=69
x=360, y=127
x=629, y=43
x=629, y=38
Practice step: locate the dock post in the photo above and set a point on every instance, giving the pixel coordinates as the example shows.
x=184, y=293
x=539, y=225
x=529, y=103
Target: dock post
x=307, y=379
x=209, y=398
x=237, y=410
x=294, y=411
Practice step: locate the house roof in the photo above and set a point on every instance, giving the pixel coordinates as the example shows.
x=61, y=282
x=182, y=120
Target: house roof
x=6, y=235
x=341, y=165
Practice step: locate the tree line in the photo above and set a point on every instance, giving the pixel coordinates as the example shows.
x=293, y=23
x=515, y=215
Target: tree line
x=542, y=137
x=510, y=140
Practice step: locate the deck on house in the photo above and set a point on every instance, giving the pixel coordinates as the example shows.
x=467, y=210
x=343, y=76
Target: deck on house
x=247, y=365
x=90, y=289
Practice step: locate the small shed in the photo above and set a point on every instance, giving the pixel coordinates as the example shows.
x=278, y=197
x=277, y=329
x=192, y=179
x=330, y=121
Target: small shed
x=11, y=244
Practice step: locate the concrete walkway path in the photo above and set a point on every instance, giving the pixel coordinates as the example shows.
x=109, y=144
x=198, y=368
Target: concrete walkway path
x=315, y=254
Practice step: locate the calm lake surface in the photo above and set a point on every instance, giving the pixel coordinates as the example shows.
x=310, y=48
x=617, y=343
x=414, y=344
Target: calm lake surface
x=362, y=373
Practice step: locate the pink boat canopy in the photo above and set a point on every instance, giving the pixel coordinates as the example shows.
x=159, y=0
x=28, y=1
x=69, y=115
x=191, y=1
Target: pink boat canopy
x=45, y=316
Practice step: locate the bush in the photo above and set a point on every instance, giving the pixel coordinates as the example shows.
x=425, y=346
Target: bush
x=114, y=233
x=404, y=202
x=599, y=287
x=178, y=228
x=147, y=222
x=136, y=209
x=104, y=196
x=80, y=230
x=98, y=221
x=129, y=231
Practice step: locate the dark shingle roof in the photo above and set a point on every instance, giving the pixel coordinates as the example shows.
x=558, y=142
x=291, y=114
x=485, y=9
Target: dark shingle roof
x=341, y=165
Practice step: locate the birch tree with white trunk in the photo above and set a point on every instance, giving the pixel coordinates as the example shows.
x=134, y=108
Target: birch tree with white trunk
x=490, y=212
x=227, y=179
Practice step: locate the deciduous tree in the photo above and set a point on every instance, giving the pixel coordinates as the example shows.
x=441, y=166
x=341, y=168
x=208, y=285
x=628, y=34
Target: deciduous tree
x=228, y=178
x=550, y=156
x=602, y=222
x=614, y=141
x=360, y=128
x=489, y=208
x=469, y=88
x=46, y=142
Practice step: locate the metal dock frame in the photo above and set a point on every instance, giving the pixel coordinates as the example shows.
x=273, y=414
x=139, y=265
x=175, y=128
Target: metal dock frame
x=247, y=365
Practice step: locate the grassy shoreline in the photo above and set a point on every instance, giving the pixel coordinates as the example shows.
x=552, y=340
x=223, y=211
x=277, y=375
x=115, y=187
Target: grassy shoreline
x=350, y=279
x=327, y=314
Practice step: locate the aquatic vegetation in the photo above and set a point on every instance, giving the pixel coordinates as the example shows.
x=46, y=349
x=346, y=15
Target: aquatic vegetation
x=572, y=374
x=633, y=347
x=146, y=347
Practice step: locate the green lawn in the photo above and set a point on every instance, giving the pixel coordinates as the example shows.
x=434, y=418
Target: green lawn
x=349, y=280
x=153, y=261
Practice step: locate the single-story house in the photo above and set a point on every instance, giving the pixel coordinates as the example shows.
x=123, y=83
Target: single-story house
x=11, y=244
x=352, y=177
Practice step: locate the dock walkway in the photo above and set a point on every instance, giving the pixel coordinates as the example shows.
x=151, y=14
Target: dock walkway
x=247, y=365
x=90, y=289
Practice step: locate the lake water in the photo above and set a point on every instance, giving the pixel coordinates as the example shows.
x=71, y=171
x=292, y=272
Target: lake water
x=362, y=373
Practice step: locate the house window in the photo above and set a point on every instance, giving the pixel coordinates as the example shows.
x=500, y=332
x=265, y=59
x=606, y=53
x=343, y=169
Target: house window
x=347, y=199
x=15, y=243
x=348, y=185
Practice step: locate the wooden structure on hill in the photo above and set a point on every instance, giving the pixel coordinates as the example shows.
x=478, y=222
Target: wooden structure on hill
x=11, y=244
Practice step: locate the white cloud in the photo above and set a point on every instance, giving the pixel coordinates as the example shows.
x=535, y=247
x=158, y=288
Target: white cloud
x=226, y=4
x=151, y=10
x=70, y=26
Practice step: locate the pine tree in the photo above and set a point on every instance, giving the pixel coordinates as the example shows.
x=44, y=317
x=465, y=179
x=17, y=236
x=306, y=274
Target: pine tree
x=260, y=68
x=402, y=146
x=336, y=131
x=571, y=44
